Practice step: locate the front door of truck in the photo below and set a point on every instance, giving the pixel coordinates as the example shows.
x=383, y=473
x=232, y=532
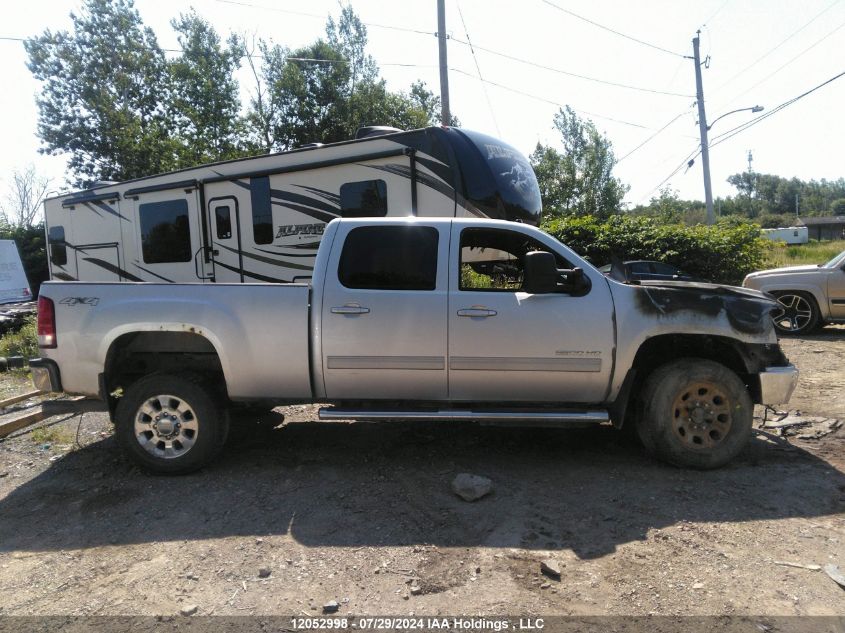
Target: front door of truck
x=383, y=317
x=506, y=344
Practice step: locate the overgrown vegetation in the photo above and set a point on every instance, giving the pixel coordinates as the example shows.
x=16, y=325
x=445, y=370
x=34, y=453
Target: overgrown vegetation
x=723, y=253
x=119, y=108
x=24, y=342
x=780, y=254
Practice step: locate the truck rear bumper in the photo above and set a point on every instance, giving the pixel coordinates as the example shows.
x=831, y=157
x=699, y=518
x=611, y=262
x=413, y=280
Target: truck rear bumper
x=777, y=384
x=45, y=374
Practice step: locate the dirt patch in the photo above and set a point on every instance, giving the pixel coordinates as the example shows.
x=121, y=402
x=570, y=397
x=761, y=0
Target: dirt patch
x=360, y=513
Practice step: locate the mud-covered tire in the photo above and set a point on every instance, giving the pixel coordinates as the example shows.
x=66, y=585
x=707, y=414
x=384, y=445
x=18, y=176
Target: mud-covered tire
x=696, y=413
x=171, y=424
x=799, y=313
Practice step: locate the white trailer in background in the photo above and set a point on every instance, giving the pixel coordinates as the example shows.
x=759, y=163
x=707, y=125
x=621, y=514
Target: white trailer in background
x=14, y=287
x=790, y=235
x=262, y=218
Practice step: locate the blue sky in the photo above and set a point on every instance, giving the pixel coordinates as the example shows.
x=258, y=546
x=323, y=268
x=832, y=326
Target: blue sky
x=761, y=52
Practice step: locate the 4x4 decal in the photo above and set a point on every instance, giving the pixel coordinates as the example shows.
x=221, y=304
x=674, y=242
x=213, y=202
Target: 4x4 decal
x=75, y=301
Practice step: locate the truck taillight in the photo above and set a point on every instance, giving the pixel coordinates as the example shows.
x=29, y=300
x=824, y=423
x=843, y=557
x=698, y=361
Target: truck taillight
x=46, y=322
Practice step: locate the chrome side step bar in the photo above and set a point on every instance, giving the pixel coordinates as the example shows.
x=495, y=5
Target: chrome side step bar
x=493, y=416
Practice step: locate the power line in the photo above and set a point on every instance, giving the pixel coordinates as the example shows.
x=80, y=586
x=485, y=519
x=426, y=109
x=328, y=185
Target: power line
x=570, y=73
x=779, y=44
x=780, y=68
x=313, y=60
x=478, y=68
x=715, y=13
x=610, y=30
x=544, y=99
x=315, y=15
x=652, y=136
x=721, y=138
x=684, y=163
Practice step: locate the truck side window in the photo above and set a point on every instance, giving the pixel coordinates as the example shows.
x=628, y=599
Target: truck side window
x=165, y=231
x=364, y=199
x=494, y=259
x=390, y=258
x=262, y=210
x=224, y=222
x=58, y=248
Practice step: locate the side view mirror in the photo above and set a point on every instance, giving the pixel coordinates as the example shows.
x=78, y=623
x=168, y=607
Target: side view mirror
x=542, y=275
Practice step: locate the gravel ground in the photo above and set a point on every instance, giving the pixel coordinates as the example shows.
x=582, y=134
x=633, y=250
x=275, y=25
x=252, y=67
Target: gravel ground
x=363, y=514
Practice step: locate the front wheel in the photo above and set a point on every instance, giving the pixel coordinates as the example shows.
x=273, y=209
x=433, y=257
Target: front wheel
x=696, y=414
x=797, y=313
x=170, y=424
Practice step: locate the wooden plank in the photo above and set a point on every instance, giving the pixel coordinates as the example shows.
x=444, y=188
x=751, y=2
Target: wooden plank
x=27, y=419
x=19, y=398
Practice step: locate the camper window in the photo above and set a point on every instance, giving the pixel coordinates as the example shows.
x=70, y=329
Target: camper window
x=390, y=258
x=224, y=222
x=58, y=249
x=262, y=213
x=165, y=232
x=364, y=199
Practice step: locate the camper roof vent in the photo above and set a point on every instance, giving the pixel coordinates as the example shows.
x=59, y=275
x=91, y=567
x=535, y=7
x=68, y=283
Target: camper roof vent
x=375, y=130
x=103, y=183
x=310, y=145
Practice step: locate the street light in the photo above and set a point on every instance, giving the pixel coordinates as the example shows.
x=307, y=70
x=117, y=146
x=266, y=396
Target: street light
x=705, y=152
x=757, y=108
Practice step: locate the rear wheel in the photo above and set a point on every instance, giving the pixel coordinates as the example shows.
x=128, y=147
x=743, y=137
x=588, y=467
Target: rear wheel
x=797, y=313
x=696, y=414
x=170, y=424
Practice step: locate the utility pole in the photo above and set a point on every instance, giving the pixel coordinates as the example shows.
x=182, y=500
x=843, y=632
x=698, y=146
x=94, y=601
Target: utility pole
x=702, y=126
x=445, y=115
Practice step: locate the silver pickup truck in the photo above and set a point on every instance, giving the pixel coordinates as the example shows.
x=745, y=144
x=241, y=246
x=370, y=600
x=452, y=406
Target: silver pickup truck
x=420, y=318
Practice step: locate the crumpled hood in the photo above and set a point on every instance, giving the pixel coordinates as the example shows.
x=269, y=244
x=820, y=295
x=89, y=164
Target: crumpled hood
x=747, y=310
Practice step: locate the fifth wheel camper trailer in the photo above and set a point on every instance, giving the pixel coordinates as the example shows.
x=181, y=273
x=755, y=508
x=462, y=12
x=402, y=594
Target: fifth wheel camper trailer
x=261, y=218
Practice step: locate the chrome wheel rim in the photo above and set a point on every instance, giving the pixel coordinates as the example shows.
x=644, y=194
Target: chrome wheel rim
x=794, y=315
x=166, y=426
x=702, y=415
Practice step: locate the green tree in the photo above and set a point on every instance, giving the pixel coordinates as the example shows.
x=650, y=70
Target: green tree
x=103, y=86
x=325, y=91
x=837, y=207
x=204, y=102
x=579, y=180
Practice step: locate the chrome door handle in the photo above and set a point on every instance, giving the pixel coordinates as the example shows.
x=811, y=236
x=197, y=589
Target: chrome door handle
x=350, y=310
x=477, y=312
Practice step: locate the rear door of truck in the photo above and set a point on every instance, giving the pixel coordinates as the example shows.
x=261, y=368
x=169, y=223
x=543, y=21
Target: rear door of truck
x=384, y=312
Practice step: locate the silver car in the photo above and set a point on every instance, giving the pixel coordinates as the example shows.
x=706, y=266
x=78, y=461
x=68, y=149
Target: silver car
x=809, y=296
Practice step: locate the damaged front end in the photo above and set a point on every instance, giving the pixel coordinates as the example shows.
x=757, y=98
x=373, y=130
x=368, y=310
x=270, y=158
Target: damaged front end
x=706, y=308
x=747, y=311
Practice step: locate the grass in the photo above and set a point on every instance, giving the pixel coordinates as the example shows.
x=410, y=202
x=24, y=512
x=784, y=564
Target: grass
x=779, y=255
x=52, y=435
x=24, y=342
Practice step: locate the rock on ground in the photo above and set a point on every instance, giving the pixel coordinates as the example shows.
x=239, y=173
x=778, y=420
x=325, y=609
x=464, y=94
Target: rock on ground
x=471, y=487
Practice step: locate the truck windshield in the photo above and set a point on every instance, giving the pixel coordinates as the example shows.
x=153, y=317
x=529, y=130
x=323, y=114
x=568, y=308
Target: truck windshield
x=836, y=262
x=498, y=179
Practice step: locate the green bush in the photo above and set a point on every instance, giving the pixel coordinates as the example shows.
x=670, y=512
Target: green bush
x=24, y=342
x=723, y=253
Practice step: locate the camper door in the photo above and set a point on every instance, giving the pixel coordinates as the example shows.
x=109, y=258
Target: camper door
x=167, y=241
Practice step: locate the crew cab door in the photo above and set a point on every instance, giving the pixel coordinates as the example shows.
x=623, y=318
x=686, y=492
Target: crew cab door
x=509, y=345
x=383, y=320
